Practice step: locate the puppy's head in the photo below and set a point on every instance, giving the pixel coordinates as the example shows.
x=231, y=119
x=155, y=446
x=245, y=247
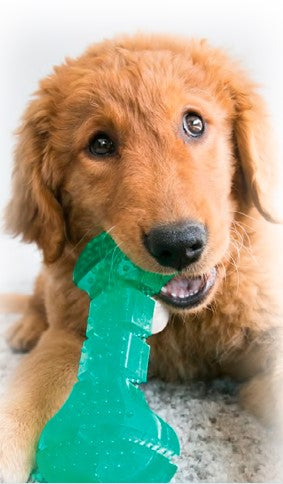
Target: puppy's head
x=157, y=141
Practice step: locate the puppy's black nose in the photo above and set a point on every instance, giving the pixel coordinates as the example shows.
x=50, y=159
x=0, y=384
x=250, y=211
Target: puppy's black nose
x=176, y=245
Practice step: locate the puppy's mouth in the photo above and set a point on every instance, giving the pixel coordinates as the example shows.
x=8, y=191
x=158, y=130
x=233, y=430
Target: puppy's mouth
x=188, y=292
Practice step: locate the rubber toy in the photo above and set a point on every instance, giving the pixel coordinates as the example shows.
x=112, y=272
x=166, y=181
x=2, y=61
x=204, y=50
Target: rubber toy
x=105, y=431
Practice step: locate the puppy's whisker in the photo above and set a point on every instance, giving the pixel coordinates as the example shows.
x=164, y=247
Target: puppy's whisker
x=230, y=259
x=112, y=261
x=246, y=238
x=111, y=229
x=73, y=247
x=245, y=215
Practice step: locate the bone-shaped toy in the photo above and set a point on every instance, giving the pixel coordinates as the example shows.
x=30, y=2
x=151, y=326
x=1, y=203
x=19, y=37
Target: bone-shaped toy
x=105, y=431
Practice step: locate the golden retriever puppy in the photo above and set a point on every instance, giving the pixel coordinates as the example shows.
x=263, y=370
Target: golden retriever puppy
x=164, y=143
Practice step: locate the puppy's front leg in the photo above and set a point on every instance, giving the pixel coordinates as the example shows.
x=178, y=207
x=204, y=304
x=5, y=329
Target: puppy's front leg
x=262, y=366
x=260, y=370
x=263, y=395
x=39, y=388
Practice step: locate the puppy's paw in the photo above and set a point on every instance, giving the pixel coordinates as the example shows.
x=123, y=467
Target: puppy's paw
x=25, y=333
x=16, y=450
x=263, y=397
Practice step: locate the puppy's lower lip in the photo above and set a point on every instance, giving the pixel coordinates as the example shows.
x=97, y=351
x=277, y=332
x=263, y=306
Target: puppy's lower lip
x=188, y=292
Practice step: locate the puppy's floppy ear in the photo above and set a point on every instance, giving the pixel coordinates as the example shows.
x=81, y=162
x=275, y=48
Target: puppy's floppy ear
x=33, y=211
x=256, y=153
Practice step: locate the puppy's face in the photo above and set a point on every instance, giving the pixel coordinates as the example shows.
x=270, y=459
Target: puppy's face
x=138, y=139
x=151, y=162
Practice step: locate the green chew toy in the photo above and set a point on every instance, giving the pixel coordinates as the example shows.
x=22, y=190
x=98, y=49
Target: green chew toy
x=105, y=431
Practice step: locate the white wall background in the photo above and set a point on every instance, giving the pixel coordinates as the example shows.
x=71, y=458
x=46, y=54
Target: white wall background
x=34, y=35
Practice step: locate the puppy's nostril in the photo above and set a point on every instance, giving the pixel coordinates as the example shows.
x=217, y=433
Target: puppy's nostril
x=196, y=246
x=165, y=253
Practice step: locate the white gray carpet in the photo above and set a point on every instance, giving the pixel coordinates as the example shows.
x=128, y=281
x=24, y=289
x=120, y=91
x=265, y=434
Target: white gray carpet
x=220, y=443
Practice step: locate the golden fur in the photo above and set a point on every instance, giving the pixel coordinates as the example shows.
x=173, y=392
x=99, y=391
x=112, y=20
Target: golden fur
x=136, y=89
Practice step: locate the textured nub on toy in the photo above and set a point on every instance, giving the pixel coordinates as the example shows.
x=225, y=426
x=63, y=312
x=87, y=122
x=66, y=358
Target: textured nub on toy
x=105, y=432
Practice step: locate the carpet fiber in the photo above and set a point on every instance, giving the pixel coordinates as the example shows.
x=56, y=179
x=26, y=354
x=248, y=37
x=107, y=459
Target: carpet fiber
x=219, y=442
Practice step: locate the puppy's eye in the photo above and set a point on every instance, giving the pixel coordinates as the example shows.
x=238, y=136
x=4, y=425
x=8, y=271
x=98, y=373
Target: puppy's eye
x=193, y=124
x=101, y=145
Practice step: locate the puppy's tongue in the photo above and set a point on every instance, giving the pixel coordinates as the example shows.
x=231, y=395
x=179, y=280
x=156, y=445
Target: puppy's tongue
x=182, y=287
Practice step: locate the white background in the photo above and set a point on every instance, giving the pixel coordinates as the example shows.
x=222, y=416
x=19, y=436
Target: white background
x=34, y=35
